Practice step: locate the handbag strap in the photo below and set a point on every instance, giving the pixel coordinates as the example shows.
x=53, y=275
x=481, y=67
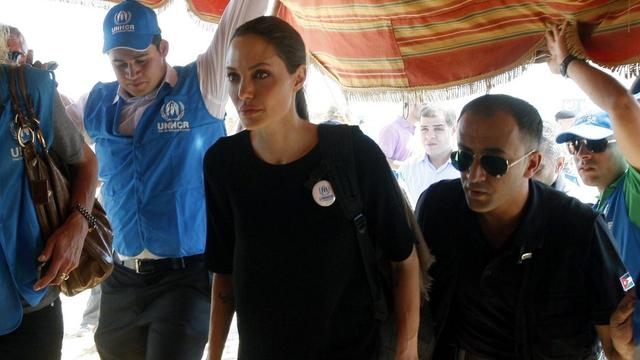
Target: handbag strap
x=26, y=97
x=27, y=137
x=25, y=122
x=15, y=103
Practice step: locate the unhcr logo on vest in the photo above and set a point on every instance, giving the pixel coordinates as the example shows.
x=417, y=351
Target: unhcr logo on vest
x=121, y=20
x=16, y=152
x=172, y=113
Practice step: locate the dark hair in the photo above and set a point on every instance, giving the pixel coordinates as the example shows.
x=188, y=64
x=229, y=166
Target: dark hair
x=526, y=116
x=288, y=44
x=156, y=40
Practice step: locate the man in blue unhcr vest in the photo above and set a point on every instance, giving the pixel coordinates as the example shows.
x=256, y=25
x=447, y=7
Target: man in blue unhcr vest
x=30, y=311
x=606, y=150
x=151, y=129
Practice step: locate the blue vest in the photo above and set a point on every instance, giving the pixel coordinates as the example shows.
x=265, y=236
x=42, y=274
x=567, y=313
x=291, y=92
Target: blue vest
x=20, y=241
x=153, y=187
x=627, y=240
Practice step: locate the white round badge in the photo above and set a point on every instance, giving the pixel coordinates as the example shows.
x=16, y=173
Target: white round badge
x=323, y=193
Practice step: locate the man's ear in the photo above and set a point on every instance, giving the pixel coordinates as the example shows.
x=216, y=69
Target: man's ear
x=535, y=159
x=300, y=76
x=164, y=47
x=559, y=164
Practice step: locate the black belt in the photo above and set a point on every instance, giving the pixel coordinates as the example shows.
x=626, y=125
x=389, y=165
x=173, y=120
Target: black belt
x=147, y=266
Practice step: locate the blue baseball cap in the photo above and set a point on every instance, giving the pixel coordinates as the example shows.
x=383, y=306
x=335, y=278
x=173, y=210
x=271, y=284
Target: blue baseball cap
x=591, y=127
x=130, y=25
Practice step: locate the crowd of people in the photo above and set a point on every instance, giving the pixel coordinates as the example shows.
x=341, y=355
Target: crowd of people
x=314, y=257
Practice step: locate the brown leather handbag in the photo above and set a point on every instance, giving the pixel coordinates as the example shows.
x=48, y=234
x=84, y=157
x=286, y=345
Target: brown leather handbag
x=50, y=190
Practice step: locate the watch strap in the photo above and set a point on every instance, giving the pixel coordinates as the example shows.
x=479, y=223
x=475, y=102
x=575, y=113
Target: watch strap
x=564, y=65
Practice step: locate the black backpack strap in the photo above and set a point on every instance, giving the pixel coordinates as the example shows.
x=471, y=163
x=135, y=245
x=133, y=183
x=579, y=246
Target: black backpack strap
x=337, y=146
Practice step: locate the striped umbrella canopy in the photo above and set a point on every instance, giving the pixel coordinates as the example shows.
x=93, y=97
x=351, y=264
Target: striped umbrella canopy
x=426, y=49
x=205, y=10
x=448, y=48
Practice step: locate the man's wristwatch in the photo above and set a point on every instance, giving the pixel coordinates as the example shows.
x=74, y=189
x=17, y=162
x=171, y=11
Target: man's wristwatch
x=564, y=65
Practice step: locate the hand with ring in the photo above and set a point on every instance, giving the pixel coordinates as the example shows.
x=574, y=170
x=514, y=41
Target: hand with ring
x=62, y=251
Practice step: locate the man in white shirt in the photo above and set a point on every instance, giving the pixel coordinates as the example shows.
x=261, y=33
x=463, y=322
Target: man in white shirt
x=437, y=127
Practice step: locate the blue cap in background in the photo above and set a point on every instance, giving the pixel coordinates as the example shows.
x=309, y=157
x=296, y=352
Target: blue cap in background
x=591, y=127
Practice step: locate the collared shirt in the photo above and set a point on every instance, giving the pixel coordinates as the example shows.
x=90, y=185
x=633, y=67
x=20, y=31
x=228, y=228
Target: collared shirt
x=134, y=106
x=211, y=75
x=418, y=174
x=394, y=139
x=558, y=276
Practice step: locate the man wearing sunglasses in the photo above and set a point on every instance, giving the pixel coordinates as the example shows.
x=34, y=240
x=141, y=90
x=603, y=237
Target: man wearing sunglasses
x=525, y=272
x=606, y=150
x=554, y=163
x=606, y=147
x=600, y=163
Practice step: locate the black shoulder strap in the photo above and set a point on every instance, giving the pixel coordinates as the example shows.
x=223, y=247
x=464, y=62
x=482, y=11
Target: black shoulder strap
x=337, y=144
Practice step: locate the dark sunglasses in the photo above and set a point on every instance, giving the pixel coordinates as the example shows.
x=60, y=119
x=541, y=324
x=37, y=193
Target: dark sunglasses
x=493, y=165
x=593, y=146
x=14, y=55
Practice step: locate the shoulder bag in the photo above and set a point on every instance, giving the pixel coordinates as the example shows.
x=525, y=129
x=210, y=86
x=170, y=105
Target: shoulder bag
x=50, y=190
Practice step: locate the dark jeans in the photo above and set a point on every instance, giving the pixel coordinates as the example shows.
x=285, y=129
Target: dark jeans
x=39, y=336
x=91, y=312
x=162, y=315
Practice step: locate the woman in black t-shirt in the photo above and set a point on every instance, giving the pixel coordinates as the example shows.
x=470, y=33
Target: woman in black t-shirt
x=285, y=257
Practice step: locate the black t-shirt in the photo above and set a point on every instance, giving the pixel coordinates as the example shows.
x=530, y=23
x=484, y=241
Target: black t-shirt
x=500, y=306
x=299, y=281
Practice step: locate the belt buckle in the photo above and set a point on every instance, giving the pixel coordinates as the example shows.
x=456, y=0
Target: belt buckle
x=137, y=265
